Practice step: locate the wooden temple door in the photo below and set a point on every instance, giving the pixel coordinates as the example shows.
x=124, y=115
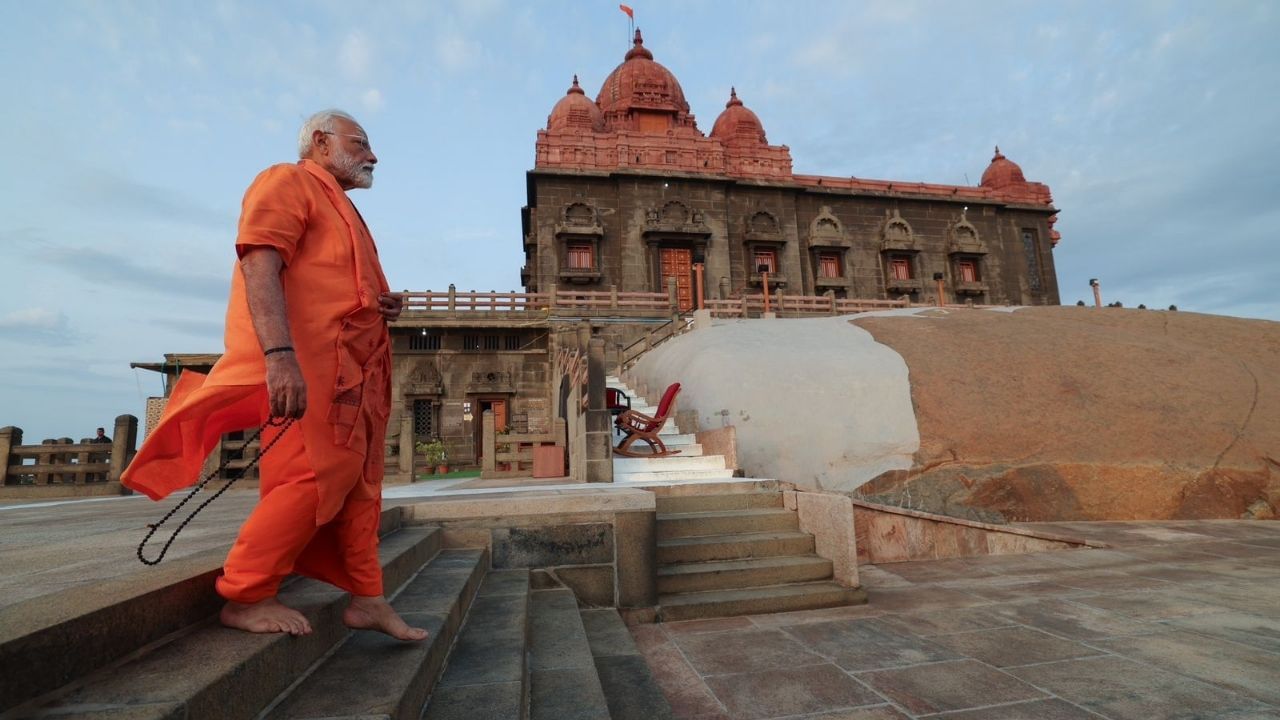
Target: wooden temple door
x=499, y=408
x=678, y=263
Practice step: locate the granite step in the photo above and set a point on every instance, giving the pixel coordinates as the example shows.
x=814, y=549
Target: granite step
x=49, y=641
x=734, y=547
x=629, y=687
x=487, y=674
x=730, y=501
x=675, y=463
x=757, y=600
x=731, y=574
x=726, y=522
x=372, y=675
x=208, y=671
x=673, y=476
x=563, y=681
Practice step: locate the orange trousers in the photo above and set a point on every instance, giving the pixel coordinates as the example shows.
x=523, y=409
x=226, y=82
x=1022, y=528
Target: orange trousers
x=281, y=537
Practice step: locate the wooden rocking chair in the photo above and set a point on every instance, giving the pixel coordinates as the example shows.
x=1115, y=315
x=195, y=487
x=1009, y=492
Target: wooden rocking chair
x=639, y=426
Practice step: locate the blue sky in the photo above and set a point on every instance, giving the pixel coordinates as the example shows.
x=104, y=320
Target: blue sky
x=134, y=127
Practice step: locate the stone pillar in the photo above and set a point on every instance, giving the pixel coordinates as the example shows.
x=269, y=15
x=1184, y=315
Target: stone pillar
x=613, y=297
x=488, y=462
x=407, y=449
x=673, y=298
x=724, y=288
x=10, y=437
x=701, y=319
x=637, y=581
x=599, y=421
x=123, y=443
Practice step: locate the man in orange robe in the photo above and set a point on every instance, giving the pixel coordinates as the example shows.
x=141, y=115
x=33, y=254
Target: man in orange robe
x=306, y=338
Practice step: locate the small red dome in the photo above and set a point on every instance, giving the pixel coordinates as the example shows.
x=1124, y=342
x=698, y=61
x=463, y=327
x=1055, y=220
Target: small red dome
x=575, y=112
x=1002, y=172
x=641, y=83
x=737, y=124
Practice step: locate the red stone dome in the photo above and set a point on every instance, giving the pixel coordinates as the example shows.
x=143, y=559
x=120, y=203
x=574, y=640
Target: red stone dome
x=738, y=124
x=575, y=112
x=1002, y=172
x=641, y=83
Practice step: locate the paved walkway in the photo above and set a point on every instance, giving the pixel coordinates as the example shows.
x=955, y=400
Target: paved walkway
x=1176, y=620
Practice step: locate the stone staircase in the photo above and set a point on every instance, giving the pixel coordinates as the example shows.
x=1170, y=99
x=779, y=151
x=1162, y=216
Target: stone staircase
x=725, y=546
x=689, y=464
x=498, y=649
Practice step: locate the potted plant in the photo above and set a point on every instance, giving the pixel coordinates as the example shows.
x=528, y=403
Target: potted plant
x=434, y=452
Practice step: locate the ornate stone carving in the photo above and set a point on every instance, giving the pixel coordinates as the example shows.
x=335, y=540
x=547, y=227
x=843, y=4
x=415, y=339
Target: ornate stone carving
x=964, y=238
x=424, y=379
x=826, y=230
x=896, y=234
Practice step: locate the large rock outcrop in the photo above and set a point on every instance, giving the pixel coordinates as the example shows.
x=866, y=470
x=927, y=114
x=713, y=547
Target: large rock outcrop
x=1047, y=413
x=1058, y=413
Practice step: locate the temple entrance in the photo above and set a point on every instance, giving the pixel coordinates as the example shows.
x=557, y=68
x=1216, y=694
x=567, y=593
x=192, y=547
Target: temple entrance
x=678, y=263
x=499, y=407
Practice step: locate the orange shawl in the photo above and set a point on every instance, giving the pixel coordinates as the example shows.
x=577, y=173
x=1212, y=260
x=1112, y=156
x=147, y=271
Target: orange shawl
x=332, y=279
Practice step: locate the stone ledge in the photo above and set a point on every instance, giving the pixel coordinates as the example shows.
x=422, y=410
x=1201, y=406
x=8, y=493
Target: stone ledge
x=527, y=504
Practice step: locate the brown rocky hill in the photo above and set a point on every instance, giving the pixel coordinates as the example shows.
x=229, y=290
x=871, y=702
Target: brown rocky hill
x=1061, y=413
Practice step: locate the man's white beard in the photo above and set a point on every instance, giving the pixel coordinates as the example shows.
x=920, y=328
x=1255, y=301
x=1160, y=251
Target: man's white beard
x=351, y=169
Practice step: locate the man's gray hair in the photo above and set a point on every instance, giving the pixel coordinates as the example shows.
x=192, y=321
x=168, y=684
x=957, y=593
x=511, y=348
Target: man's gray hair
x=322, y=121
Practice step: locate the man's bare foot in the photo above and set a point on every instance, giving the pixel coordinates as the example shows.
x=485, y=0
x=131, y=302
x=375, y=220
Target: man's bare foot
x=375, y=613
x=265, y=616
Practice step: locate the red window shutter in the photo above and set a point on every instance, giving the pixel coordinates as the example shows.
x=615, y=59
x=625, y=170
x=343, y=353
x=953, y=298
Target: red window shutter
x=968, y=271
x=581, y=257
x=829, y=265
x=768, y=258
x=900, y=268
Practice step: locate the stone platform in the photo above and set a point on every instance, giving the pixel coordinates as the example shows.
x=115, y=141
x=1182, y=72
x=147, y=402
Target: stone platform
x=1176, y=620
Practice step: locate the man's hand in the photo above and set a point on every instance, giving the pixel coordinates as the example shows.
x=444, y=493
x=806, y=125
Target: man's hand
x=390, y=305
x=286, y=389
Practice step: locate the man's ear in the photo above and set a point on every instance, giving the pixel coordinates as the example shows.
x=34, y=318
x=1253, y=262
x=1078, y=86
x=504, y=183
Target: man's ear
x=319, y=139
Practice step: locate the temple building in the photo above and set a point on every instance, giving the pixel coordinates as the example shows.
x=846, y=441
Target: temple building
x=626, y=191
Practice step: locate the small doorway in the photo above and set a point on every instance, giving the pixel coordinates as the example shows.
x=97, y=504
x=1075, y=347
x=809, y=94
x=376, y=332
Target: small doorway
x=499, y=407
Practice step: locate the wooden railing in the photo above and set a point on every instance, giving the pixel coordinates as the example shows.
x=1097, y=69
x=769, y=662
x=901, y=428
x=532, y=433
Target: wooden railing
x=798, y=305
x=552, y=302
x=62, y=462
x=511, y=454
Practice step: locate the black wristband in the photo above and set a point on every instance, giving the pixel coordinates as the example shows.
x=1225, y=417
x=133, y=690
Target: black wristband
x=282, y=348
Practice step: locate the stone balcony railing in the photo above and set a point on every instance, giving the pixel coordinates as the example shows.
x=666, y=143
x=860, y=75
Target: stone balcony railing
x=63, y=467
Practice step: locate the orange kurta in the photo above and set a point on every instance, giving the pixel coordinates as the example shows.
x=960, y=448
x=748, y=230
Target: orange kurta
x=332, y=280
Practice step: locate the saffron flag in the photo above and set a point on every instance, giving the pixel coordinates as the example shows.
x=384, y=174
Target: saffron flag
x=627, y=9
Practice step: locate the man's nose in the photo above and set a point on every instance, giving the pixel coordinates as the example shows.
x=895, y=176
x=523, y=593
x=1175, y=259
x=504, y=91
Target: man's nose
x=373, y=159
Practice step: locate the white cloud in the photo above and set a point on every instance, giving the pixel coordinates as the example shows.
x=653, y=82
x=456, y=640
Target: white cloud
x=372, y=100
x=33, y=319
x=356, y=57
x=456, y=52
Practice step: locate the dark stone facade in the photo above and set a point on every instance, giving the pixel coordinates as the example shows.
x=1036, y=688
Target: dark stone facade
x=628, y=217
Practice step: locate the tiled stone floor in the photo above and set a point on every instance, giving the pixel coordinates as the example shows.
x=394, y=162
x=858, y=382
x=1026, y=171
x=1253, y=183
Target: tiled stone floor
x=1175, y=620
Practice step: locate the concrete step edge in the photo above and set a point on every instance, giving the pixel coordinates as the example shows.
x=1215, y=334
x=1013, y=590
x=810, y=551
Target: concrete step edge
x=719, y=501
x=629, y=687
x=723, y=566
x=563, y=681
x=732, y=538
x=400, y=676
x=498, y=620
x=216, y=686
x=756, y=601
x=49, y=641
x=741, y=574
